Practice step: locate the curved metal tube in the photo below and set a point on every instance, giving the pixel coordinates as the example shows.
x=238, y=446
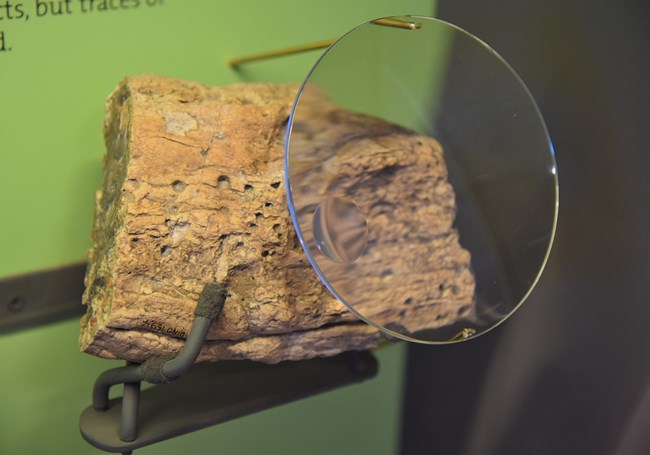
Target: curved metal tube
x=159, y=370
x=171, y=369
x=108, y=379
x=175, y=367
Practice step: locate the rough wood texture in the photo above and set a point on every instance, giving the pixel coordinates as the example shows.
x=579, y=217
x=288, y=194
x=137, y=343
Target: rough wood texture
x=414, y=275
x=194, y=192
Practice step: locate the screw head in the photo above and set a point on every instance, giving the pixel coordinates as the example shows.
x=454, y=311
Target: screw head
x=16, y=305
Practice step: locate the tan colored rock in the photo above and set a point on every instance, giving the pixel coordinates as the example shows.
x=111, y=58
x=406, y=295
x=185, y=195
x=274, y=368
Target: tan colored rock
x=194, y=192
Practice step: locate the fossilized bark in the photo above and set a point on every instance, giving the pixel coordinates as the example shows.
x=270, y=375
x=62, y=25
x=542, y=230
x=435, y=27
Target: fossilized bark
x=194, y=192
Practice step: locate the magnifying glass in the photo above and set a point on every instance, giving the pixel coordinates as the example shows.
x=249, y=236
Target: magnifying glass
x=421, y=179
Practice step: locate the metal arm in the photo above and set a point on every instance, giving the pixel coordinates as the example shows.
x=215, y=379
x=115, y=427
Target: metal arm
x=160, y=369
x=236, y=63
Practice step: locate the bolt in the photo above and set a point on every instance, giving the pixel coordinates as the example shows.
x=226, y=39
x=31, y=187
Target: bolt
x=16, y=305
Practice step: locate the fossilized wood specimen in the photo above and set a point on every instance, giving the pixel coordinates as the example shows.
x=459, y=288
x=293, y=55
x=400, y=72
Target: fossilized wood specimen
x=193, y=192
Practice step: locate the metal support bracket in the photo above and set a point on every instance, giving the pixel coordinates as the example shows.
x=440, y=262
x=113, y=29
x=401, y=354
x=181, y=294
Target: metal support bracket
x=204, y=394
x=213, y=393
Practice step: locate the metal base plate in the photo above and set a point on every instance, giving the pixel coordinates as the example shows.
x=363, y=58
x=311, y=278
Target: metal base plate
x=212, y=393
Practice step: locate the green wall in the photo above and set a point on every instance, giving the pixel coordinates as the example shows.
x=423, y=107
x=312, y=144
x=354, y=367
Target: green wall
x=53, y=83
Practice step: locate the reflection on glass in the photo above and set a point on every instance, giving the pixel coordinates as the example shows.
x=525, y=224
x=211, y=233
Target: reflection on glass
x=340, y=229
x=421, y=180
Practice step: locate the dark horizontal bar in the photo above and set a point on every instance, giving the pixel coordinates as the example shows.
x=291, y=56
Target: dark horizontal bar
x=41, y=297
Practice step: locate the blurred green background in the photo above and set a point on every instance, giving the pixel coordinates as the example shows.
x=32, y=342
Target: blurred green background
x=53, y=83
